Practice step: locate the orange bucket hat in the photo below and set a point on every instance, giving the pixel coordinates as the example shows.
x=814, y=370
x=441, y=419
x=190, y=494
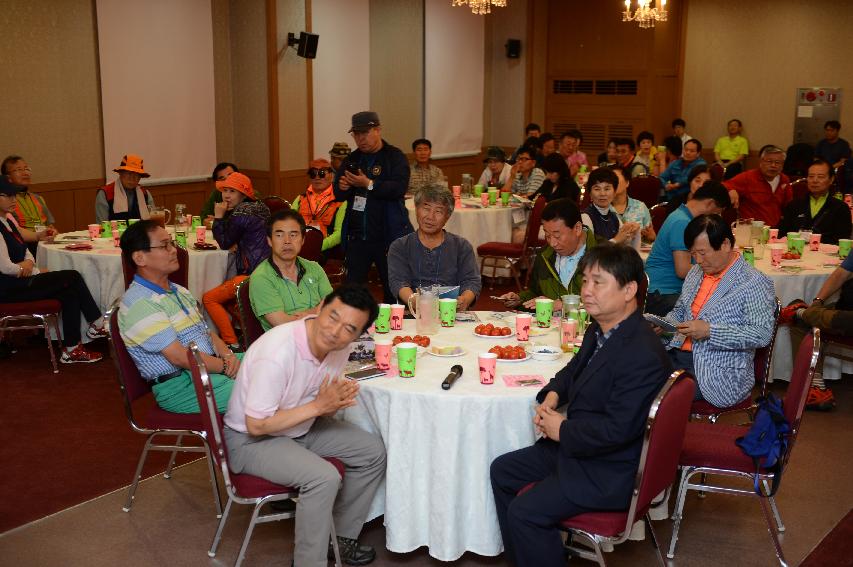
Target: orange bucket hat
x=132, y=163
x=238, y=182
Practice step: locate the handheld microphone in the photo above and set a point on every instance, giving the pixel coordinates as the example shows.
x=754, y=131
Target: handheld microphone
x=455, y=373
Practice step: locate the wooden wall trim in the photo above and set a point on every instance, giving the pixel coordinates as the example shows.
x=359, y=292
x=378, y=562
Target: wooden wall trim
x=682, y=50
x=309, y=86
x=272, y=94
x=67, y=185
x=528, y=65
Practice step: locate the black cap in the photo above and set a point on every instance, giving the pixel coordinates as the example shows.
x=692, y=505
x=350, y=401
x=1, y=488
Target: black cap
x=494, y=152
x=9, y=188
x=364, y=121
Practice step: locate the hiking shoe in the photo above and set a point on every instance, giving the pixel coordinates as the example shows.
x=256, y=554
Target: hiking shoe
x=820, y=400
x=80, y=354
x=95, y=333
x=352, y=552
x=788, y=315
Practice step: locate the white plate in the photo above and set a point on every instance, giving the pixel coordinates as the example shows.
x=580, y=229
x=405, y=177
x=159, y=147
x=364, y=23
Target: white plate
x=462, y=352
x=528, y=357
x=509, y=336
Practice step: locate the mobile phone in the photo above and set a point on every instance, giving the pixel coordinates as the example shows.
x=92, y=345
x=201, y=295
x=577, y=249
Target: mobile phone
x=353, y=168
x=660, y=322
x=365, y=374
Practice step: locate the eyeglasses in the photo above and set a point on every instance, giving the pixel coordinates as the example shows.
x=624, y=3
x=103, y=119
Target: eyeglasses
x=314, y=173
x=167, y=245
x=21, y=170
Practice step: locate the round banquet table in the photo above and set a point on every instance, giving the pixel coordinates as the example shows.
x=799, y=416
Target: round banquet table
x=440, y=443
x=102, y=272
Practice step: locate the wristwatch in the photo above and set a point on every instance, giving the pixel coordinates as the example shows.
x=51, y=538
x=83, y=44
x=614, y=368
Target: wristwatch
x=370, y=185
x=818, y=299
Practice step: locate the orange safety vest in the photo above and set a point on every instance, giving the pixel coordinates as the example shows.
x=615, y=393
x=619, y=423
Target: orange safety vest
x=21, y=217
x=318, y=209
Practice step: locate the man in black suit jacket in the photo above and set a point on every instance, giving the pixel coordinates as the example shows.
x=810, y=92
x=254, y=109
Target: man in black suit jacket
x=586, y=460
x=832, y=218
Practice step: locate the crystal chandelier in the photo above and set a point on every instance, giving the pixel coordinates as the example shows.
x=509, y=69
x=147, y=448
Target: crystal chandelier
x=480, y=7
x=645, y=15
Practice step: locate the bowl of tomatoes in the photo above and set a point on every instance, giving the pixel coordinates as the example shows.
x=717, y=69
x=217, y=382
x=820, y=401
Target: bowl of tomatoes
x=421, y=340
x=490, y=331
x=510, y=353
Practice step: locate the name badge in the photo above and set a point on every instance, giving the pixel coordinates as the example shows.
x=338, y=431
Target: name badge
x=360, y=203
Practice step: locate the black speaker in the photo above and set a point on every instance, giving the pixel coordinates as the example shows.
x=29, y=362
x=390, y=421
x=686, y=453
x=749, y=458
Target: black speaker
x=513, y=48
x=307, y=47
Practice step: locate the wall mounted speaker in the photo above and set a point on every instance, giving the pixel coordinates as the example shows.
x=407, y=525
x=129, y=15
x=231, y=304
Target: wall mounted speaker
x=513, y=48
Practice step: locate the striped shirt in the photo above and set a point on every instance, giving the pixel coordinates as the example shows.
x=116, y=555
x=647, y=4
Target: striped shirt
x=521, y=186
x=150, y=319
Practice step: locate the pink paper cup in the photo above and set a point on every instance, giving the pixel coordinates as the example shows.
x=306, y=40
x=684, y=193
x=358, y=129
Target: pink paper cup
x=383, y=354
x=776, y=251
x=814, y=242
x=522, y=326
x=200, y=234
x=774, y=234
x=484, y=199
x=397, y=314
x=94, y=231
x=488, y=362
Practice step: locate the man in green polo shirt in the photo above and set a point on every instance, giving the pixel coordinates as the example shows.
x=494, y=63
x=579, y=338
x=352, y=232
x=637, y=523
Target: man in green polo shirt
x=286, y=287
x=731, y=150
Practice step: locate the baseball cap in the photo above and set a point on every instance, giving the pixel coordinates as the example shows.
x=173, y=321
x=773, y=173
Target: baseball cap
x=364, y=121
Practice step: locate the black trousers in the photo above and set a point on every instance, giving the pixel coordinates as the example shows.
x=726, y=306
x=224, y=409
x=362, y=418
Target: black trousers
x=67, y=287
x=360, y=256
x=529, y=522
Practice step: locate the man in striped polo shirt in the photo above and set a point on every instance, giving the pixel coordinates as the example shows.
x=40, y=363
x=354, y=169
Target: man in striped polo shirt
x=159, y=319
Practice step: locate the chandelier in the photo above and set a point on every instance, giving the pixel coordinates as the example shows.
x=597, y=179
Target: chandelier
x=480, y=7
x=645, y=15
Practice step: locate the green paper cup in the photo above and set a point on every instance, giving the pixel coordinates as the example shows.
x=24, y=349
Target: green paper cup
x=383, y=320
x=493, y=195
x=844, y=247
x=790, y=238
x=478, y=189
x=797, y=245
x=181, y=238
x=106, y=229
x=544, y=310
x=447, y=312
x=505, y=198
x=407, y=356
x=131, y=221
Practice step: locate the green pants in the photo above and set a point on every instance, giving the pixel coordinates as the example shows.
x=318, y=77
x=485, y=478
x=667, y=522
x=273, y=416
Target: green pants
x=178, y=394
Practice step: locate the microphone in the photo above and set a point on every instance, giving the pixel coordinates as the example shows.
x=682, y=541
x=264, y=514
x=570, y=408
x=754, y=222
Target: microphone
x=455, y=373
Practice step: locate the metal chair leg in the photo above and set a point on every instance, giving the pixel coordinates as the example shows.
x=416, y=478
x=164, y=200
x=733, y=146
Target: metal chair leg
x=136, y=477
x=678, y=510
x=779, y=525
x=776, y=544
x=50, y=321
x=248, y=536
x=337, y=551
x=218, y=535
x=217, y=499
x=654, y=538
x=168, y=473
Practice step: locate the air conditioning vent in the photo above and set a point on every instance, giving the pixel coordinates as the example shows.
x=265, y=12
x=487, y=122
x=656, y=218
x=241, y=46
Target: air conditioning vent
x=603, y=87
x=615, y=87
x=595, y=136
x=569, y=86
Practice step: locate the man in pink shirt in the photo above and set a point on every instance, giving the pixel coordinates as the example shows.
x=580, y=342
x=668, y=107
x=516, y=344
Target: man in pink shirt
x=279, y=425
x=762, y=193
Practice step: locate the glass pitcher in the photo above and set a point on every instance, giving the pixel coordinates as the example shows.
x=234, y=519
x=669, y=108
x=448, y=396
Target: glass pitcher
x=467, y=185
x=743, y=232
x=160, y=215
x=424, y=306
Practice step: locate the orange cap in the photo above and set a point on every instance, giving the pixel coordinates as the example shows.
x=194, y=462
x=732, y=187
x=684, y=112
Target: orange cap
x=238, y=182
x=132, y=163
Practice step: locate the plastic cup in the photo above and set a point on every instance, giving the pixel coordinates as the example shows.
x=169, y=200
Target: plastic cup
x=568, y=333
x=797, y=245
x=94, y=231
x=478, y=190
x=487, y=362
x=106, y=229
x=774, y=234
x=113, y=225
x=383, y=320
x=505, y=198
x=383, y=353
x=196, y=222
x=397, y=313
x=407, y=356
x=522, y=326
x=181, y=238
x=200, y=234
x=544, y=311
x=776, y=251
x=484, y=199
x=493, y=196
x=814, y=242
x=457, y=191
x=447, y=311
x=844, y=247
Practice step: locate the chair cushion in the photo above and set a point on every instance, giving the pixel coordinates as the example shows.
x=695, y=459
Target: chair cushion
x=250, y=486
x=608, y=524
x=713, y=445
x=500, y=249
x=157, y=418
x=40, y=307
x=704, y=408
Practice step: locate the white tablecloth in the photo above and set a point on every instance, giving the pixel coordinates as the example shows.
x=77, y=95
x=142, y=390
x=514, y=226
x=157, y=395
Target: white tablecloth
x=101, y=267
x=440, y=443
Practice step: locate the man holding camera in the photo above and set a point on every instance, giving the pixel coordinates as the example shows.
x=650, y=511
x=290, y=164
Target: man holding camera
x=373, y=181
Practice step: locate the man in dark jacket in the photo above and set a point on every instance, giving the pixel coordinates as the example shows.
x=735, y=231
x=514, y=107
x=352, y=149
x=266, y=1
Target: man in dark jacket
x=373, y=181
x=819, y=212
x=587, y=459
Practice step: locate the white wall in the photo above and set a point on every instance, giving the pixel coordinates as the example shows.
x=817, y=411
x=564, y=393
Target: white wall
x=507, y=84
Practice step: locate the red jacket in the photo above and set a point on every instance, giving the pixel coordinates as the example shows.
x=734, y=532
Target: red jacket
x=757, y=200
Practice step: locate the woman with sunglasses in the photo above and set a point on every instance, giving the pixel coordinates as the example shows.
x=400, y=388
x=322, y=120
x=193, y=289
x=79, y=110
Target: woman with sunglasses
x=21, y=280
x=317, y=204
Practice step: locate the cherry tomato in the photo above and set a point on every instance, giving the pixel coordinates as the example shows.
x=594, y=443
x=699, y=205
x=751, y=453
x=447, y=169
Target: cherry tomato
x=506, y=331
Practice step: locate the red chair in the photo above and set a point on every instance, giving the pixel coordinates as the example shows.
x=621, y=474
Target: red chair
x=800, y=188
x=180, y=277
x=312, y=244
x=157, y=422
x=662, y=441
x=510, y=252
x=761, y=362
x=659, y=213
x=241, y=488
x=717, y=171
x=251, y=325
x=710, y=450
x=31, y=316
x=645, y=188
x=730, y=215
x=275, y=203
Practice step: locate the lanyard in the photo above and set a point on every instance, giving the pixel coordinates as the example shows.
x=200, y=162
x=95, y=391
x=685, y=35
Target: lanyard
x=173, y=290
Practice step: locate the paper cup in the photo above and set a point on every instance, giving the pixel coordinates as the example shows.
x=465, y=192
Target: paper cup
x=447, y=312
x=814, y=242
x=181, y=238
x=383, y=353
x=522, y=326
x=131, y=221
x=544, y=311
x=407, y=356
x=94, y=231
x=774, y=234
x=383, y=320
x=196, y=222
x=484, y=199
x=478, y=190
x=493, y=196
x=488, y=362
x=797, y=245
x=200, y=234
x=106, y=229
x=776, y=251
x=844, y=247
x=397, y=313
x=568, y=330
x=505, y=195
x=457, y=191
